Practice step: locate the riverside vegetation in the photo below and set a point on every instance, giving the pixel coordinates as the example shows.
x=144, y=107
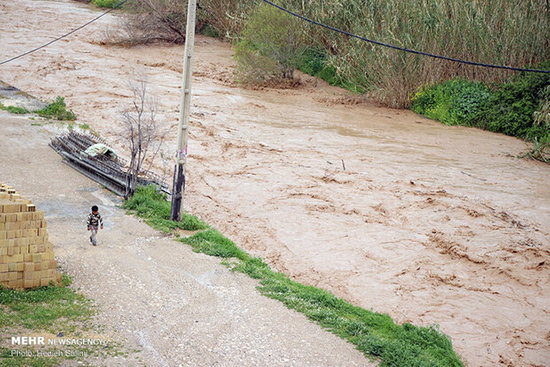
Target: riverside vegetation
x=504, y=32
x=270, y=44
x=375, y=334
x=520, y=107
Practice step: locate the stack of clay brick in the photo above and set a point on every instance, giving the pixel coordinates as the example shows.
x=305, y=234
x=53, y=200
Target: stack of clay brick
x=26, y=256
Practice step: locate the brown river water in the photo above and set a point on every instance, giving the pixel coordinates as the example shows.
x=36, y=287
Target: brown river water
x=391, y=211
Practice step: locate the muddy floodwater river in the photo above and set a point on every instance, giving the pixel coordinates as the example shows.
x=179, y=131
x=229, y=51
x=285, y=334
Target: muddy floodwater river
x=391, y=211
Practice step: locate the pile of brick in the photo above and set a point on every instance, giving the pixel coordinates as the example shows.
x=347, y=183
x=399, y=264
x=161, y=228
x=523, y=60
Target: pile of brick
x=26, y=256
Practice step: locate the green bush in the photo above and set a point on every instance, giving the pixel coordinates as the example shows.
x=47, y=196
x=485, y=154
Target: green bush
x=210, y=31
x=519, y=108
x=151, y=204
x=312, y=61
x=452, y=102
x=106, y=3
x=511, y=108
x=57, y=110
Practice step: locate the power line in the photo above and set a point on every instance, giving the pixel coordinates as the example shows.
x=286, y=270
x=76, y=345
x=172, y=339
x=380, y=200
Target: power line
x=403, y=48
x=65, y=35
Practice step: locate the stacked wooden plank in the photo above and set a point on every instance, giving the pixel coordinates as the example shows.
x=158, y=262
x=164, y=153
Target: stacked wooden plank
x=26, y=255
x=111, y=173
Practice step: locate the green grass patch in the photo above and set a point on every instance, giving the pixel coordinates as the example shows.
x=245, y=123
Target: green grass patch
x=106, y=3
x=57, y=110
x=151, y=205
x=14, y=110
x=46, y=308
x=50, y=310
x=213, y=243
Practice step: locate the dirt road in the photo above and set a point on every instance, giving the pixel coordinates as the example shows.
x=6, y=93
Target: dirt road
x=431, y=224
x=154, y=294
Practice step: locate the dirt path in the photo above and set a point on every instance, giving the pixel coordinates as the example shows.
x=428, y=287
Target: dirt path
x=431, y=224
x=154, y=294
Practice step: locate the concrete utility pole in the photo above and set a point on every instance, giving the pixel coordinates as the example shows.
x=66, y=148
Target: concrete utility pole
x=178, y=187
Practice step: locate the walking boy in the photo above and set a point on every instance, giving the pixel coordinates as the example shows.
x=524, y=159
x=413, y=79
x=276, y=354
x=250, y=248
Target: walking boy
x=94, y=220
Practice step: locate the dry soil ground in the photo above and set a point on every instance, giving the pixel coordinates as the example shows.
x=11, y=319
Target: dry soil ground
x=429, y=223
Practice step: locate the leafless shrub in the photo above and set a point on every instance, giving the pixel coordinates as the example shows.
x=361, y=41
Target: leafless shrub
x=147, y=21
x=255, y=68
x=127, y=34
x=226, y=17
x=142, y=131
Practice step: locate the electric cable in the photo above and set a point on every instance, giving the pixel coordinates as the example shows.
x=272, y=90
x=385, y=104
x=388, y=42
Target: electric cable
x=65, y=35
x=403, y=48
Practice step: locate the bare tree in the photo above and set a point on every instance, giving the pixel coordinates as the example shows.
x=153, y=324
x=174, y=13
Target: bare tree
x=141, y=129
x=150, y=21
